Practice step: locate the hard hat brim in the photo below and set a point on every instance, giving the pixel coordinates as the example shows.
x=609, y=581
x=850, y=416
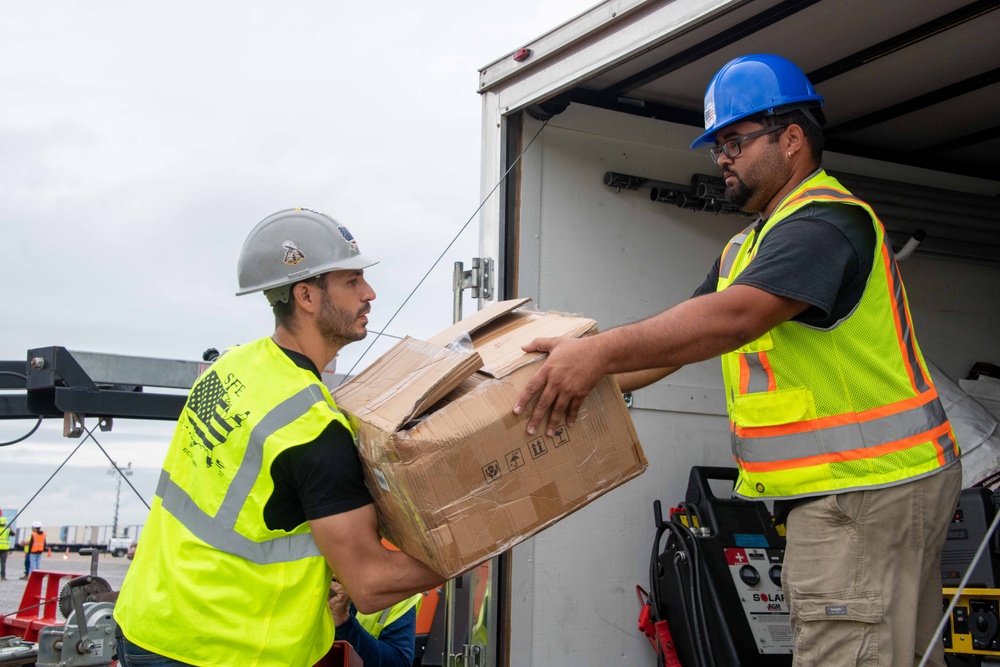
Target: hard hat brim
x=806, y=101
x=356, y=263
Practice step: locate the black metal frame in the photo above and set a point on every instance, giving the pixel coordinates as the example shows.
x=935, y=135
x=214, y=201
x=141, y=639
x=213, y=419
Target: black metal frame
x=55, y=384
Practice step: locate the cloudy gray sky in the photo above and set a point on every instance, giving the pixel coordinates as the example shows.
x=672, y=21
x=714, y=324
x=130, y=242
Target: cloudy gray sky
x=140, y=142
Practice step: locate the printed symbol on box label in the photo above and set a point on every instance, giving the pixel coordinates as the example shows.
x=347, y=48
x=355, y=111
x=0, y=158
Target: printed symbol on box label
x=515, y=460
x=561, y=435
x=537, y=448
x=491, y=471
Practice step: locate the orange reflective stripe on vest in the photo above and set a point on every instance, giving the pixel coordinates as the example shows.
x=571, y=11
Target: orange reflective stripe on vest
x=815, y=411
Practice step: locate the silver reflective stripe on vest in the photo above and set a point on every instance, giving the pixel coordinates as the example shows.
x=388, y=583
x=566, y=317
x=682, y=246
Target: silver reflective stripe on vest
x=846, y=438
x=732, y=250
x=218, y=531
x=947, y=443
x=905, y=334
x=759, y=380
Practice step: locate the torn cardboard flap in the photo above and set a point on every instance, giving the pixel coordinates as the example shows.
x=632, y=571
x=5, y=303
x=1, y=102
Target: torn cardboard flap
x=500, y=343
x=405, y=381
x=476, y=321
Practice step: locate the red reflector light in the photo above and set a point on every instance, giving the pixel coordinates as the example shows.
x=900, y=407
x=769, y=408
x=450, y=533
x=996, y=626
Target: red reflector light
x=521, y=55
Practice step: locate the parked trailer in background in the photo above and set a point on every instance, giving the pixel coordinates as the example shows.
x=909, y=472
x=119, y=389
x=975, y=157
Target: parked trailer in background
x=74, y=538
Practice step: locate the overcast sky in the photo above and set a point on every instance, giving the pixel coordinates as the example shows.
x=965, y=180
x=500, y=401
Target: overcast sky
x=140, y=142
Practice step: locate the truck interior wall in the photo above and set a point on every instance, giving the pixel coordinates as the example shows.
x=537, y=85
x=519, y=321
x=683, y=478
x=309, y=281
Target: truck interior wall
x=619, y=257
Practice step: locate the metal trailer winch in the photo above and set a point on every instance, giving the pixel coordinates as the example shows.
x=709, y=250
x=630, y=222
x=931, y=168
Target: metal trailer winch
x=88, y=636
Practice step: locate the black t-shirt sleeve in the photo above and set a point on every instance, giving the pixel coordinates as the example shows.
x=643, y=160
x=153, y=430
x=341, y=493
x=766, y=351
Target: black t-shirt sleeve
x=822, y=256
x=316, y=479
x=711, y=282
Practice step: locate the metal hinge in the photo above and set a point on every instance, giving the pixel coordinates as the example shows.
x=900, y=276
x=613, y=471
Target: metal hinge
x=479, y=279
x=473, y=655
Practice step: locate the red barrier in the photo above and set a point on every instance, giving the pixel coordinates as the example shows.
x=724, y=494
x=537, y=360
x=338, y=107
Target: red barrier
x=39, y=605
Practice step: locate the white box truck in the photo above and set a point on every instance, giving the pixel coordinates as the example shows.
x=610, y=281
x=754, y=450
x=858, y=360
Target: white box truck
x=912, y=96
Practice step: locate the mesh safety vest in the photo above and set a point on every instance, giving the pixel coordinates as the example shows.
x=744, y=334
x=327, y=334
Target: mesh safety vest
x=214, y=585
x=375, y=623
x=814, y=411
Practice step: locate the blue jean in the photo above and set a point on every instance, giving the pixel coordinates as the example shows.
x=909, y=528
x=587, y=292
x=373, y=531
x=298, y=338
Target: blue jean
x=34, y=561
x=131, y=655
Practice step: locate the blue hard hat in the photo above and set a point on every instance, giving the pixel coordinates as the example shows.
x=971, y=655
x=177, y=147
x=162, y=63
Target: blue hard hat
x=750, y=84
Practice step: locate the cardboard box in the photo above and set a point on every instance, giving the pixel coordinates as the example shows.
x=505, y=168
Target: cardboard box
x=455, y=476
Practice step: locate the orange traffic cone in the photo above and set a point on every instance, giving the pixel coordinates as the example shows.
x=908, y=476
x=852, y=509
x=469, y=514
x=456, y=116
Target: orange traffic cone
x=50, y=552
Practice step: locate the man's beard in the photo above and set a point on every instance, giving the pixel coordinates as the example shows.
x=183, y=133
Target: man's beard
x=337, y=325
x=739, y=193
x=751, y=181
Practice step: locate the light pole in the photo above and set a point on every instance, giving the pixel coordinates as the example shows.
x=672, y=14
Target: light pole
x=118, y=472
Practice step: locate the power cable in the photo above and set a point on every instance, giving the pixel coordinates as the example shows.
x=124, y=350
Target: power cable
x=56, y=472
x=445, y=251
x=120, y=473
x=37, y=423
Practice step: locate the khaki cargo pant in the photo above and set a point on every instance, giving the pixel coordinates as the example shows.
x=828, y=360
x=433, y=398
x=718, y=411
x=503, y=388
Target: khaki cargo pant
x=862, y=573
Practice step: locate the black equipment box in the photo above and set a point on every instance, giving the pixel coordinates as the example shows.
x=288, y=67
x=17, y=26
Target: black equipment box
x=968, y=528
x=718, y=579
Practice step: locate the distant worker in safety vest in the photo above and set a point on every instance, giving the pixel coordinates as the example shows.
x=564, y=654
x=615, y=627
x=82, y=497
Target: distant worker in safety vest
x=831, y=407
x=386, y=638
x=34, y=546
x=262, y=499
x=4, y=546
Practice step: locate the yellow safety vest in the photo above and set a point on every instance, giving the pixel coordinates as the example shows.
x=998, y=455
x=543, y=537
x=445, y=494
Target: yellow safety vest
x=214, y=585
x=375, y=623
x=4, y=535
x=814, y=411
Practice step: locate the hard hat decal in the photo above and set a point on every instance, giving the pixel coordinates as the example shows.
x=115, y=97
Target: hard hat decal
x=350, y=239
x=709, y=115
x=292, y=254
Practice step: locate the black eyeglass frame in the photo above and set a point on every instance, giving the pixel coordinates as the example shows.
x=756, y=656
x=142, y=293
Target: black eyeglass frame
x=736, y=143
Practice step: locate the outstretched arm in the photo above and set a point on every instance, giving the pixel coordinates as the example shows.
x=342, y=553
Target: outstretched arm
x=633, y=380
x=694, y=330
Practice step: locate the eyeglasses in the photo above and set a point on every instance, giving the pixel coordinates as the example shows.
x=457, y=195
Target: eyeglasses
x=732, y=147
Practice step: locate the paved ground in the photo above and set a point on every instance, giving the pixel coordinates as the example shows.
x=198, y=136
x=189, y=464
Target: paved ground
x=108, y=568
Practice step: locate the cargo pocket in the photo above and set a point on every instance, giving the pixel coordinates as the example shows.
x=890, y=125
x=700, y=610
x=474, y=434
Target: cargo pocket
x=837, y=629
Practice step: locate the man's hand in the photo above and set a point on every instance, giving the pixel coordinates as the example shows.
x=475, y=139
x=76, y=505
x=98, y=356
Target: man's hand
x=562, y=383
x=340, y=603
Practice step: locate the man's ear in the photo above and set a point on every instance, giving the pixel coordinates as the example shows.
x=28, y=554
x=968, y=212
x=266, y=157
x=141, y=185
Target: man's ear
x=793, y=139
x=304, y=297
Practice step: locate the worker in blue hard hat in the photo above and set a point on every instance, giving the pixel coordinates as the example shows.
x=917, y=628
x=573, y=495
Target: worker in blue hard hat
x=833, y=414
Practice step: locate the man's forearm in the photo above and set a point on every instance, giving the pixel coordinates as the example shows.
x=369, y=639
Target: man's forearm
x=398, y=578
x=694, y=330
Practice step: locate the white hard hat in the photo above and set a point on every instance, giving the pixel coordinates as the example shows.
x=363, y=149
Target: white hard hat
x=36, y=524
x=293, y=245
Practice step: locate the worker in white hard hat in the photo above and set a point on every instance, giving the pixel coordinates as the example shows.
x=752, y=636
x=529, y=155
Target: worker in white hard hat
x=833, y=413
x=262, y=498
x=34, y=546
